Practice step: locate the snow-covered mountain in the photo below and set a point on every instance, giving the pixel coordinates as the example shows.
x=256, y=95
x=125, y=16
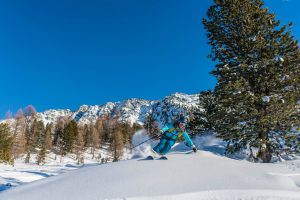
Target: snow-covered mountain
x=131, y=110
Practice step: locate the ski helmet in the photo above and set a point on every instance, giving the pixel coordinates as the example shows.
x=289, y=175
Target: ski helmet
x=181, y=119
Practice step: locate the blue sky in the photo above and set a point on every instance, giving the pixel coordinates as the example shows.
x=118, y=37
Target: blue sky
x=65, y=53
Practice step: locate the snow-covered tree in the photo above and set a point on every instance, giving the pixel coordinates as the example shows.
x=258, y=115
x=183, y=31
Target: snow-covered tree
x=258, y=74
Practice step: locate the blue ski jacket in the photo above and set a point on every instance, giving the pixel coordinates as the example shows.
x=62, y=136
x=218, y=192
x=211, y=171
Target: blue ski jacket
x=171, y=132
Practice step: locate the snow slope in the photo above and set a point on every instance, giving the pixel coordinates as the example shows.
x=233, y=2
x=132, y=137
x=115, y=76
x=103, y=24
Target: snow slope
x=22, y=173
x=204, y=176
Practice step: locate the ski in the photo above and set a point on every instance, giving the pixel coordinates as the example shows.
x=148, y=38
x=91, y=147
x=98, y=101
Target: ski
x=152, y=158
x=148, y=158
x=163, y=158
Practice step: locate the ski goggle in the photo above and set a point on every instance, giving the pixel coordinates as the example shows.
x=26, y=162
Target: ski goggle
x=182, y=124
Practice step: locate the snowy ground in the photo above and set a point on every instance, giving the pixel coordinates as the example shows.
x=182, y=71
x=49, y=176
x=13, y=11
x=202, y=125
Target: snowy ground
x=206, y=175
x=25, y=173
x=21, y=173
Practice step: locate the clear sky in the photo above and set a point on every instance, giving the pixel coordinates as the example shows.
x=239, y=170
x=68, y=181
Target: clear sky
x=65, y=53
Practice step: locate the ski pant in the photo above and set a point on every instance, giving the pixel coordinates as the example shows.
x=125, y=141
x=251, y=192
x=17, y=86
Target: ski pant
x=164, y=145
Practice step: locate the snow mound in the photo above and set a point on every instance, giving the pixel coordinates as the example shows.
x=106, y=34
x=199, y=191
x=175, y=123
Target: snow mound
x=203, y=175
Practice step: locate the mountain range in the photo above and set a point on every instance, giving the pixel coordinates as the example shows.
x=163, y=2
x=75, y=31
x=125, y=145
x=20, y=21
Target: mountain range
x=131, y=110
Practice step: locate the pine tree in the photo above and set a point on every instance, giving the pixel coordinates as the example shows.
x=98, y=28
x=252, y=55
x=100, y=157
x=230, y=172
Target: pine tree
x=87, y=135
x=202, y=119
x=34, y=134
x=69, y=136
x=58, y=143
x=38, y=133
x=127, y=132
x=151, y=125
x=107, y=129
x=44, y=142
x=41, y=155
x=258, y=78
x=6, y=142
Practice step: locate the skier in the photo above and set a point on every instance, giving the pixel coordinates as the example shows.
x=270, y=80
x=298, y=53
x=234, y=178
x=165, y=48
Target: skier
x=169, y=136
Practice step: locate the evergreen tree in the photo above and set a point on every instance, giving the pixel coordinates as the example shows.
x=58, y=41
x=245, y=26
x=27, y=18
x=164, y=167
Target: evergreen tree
x=44, y=143
x=69, y=136
x=126, y=131
x=38, y=133
x=58, y=143
x=87, y=135
x=151, y=125
x=6, y=142
x=41, y=155
x=107, y=125
x=202, y=119
x=34, y=134
x=258, y=78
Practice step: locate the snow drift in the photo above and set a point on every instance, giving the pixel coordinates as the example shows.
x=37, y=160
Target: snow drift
x=201, y=175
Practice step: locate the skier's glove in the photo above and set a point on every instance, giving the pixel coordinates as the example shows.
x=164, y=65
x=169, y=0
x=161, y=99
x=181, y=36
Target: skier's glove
x=159, y=134
x=194, y=148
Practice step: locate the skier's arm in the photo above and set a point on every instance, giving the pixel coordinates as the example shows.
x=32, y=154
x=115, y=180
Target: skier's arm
x=162, y=131
x=165, y=128
x=188, y=140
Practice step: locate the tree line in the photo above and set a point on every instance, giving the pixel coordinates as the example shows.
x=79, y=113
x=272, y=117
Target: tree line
x=26, y=136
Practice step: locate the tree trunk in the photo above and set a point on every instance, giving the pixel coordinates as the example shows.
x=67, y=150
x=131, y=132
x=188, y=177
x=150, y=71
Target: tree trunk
x=265, y=153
